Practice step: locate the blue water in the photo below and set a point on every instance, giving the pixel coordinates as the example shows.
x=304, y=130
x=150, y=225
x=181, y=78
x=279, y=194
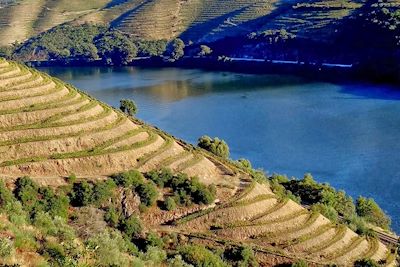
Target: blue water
x=347, y=135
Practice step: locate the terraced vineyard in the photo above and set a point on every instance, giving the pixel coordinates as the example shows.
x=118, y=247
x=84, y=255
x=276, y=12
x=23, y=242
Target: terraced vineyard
x=256, y=216
x=192, y=20
x=48, y=130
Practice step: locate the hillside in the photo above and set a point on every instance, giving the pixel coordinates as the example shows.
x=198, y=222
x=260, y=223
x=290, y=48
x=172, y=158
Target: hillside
x=50, y=130
x=192, y=20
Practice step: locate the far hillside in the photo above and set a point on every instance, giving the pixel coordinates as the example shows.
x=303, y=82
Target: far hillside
x=191, y=20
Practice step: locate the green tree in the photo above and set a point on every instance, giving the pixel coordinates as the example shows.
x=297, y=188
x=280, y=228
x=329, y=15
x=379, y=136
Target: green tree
x=82, y=194
x=300, y=263
x=148, y=193
x=115, y=48
x=132, y=178
x=132, y=227
x=215, y=146
x=169, y=204
x=368, y=209
x=128, y=106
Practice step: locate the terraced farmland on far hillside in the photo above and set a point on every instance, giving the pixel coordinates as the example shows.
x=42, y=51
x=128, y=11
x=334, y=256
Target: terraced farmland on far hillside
x=48, y=130
x=191, y=20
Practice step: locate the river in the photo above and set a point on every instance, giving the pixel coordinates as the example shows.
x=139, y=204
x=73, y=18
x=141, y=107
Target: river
x=344, y=134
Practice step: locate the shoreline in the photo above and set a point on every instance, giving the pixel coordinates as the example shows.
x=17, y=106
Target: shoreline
x=337, y=73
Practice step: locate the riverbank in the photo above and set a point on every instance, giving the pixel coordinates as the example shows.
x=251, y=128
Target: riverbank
x=329, y=72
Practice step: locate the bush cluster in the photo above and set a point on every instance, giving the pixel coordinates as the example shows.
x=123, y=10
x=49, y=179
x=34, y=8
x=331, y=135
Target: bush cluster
x=214, y=145
x=186, y=190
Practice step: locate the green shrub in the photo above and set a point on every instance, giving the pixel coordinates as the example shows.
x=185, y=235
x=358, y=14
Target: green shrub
x=111, y=216
x=300, y=263
x=216, y=146
x=328, y=211
x=71, y=179
x=6, y=248
x=169, y=204
x=26, y=191
x=128, y=106
x=131, y=178
x=148, y=193
x=55, y=254
x=131, y=227
x=200, y=256
x=103, y=191
x=241, y=256
x=154, y=256
x=178, y=47
x=108, y=249
x=153, y=240
x=82, y=194
x=6, y=196
x=368, y=209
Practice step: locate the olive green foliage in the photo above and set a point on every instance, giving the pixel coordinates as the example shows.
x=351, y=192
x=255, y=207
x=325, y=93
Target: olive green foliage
x=127, y=179
x=82, y=194
x=148, y=193
x=151, y=48
x=215, y=146
x=300, y=263
x=109, y=248
x=245, y=163
x=368, y=209
x=178, y=47
x=128, y=106
x=102, y=191
x=200, y=256
x=35, y=199
x=241, y=256
x=186, y=190
x=65, y=41
x=131, y=227
x=6, y=247
x=86, y=42
x=115, y=48
x=331, y=203
x=366, y=263
x=169, y=204
x=6, y=196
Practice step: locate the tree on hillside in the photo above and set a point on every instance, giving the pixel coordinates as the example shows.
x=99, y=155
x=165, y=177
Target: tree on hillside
x=178, y=47
x=115, y=48
x=128, y=107
x=369, y=209
x=216, y=146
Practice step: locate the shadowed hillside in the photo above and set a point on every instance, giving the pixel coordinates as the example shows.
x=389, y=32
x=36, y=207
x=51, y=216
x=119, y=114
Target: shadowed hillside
x=194, y=20
x=48, y=130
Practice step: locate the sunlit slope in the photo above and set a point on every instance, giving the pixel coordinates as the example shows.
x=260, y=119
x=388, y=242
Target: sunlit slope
x=26, y=18
x=256, y=216
x=49, y=129
x=192, y=20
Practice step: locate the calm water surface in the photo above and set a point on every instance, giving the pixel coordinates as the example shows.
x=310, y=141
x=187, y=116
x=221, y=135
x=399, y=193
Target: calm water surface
x=347, y=135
